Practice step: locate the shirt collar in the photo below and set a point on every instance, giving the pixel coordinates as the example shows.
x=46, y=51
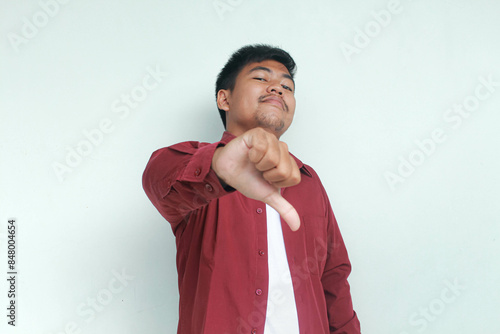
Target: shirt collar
x=227, y=137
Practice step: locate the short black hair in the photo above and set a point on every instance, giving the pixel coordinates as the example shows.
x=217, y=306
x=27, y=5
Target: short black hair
x=248, y=54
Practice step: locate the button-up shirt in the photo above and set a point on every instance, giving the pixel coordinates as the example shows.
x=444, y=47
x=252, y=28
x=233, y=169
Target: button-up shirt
x=221, y=239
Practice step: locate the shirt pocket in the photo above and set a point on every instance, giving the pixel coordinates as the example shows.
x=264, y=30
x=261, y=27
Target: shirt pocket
x=315, y=230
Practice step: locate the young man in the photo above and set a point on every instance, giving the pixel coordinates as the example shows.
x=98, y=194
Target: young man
x=241, y=268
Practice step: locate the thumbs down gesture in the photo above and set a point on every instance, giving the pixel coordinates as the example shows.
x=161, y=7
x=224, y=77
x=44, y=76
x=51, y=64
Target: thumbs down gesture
x=257, y=164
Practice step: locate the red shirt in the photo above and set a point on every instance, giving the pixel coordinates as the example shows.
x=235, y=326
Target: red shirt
x=221, y=239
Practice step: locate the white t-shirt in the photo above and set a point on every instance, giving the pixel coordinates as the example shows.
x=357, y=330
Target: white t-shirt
x=281, y=314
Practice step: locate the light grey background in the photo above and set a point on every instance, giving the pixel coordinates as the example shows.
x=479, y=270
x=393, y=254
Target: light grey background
x=424, y=250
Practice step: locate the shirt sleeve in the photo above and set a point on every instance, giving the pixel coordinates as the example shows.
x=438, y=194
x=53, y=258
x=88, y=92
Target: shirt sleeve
x=341, y=316
x=179, y=179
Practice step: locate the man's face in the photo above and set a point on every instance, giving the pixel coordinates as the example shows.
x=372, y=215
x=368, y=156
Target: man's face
x=262, y=97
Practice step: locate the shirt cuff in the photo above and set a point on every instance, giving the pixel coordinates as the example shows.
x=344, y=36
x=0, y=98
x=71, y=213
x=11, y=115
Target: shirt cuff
x=199, y=172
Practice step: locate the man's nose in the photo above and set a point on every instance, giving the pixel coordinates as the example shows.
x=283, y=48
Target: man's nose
x=276, y=88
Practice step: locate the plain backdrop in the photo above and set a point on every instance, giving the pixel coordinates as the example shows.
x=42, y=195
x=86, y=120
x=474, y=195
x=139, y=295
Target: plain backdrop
x=397, y=110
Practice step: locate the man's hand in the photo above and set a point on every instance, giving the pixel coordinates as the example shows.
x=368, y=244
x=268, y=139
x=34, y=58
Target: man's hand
x=257, y=164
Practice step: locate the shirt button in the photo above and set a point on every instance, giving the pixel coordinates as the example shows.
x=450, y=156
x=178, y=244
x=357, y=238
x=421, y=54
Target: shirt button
x=254, y=330
x=197, y=172
x=209, y=187
x=258, y=292
x=259, y=210
x=261, y=252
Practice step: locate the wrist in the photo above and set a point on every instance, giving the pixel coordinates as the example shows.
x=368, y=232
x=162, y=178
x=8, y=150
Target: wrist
x=213, y=166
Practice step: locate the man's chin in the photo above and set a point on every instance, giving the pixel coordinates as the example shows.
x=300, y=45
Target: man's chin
x=275, y=126
x=270, y=120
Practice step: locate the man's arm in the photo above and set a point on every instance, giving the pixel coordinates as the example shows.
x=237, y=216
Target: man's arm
x=178, y=180
x=184, y=177
x=341, y=316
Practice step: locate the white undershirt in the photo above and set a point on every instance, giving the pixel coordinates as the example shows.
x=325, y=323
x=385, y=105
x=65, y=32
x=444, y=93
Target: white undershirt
x=281, y=314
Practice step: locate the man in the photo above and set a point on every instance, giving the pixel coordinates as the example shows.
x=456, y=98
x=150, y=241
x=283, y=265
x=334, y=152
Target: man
x=241, y=268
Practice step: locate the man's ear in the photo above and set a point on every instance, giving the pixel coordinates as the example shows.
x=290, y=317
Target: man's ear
x=222, y=99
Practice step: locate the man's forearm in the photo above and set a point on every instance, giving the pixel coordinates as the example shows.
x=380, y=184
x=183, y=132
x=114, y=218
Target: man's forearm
x=179, y=179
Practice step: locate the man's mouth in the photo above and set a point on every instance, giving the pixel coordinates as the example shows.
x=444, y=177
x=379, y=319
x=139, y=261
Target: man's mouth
x=276, y=101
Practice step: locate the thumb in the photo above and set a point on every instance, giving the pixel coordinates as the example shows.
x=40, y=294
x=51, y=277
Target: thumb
x=285, y=209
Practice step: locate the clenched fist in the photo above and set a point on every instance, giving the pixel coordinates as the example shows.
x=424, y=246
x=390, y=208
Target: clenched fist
x=257, y=164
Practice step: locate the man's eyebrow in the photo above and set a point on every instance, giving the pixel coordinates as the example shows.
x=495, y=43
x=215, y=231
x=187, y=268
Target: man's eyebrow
x=284, y=75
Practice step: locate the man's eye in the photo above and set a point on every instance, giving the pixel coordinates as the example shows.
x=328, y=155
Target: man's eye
x=262, y=79
x=286, y=87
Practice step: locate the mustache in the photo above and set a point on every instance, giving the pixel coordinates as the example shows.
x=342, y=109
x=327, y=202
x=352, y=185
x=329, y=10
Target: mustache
x=263, y=98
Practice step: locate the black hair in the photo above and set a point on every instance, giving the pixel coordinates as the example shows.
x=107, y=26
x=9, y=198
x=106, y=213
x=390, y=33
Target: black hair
x=250, y=54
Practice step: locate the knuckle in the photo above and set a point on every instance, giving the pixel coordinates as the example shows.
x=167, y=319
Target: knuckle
x=285, y=171
x=260, y=145
x=274, y=159
x=280, y=173
x=261, y=133
x=297, y=178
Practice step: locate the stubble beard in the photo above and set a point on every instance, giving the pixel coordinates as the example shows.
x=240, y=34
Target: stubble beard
x=270, y=121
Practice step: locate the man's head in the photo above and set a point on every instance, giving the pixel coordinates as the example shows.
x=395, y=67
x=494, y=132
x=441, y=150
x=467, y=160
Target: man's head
x=256, y=88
